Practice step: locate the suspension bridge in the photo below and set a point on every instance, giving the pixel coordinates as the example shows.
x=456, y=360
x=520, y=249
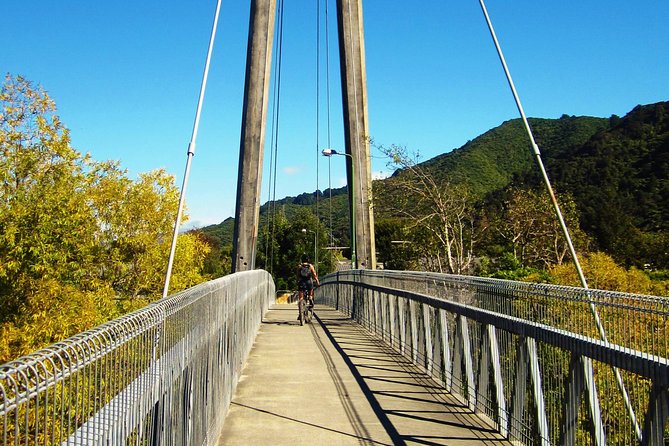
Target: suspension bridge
x=392, y=357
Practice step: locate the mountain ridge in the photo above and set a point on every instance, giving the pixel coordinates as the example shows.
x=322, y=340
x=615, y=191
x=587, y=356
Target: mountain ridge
x=582, y=155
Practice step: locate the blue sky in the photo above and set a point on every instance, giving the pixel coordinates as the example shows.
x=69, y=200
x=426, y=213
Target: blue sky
x=125, y=76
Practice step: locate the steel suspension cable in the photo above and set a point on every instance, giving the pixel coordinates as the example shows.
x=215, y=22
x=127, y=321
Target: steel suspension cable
x=318, y=91
x=327, y=88
x=268, y=215
x=191, y=151
x=558, y=212
x=275, y=127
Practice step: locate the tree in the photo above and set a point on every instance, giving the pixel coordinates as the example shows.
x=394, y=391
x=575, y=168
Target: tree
x=218, y=261
x=134, y=229
x=282, y=243
x=439, y=214
x=528, y=225
x=394, y=245
x=46, y=227
x=80, y=242
x=603, y=273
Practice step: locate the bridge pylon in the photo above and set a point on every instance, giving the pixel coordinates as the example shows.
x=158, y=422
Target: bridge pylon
x=356, y=129
x=254, y=116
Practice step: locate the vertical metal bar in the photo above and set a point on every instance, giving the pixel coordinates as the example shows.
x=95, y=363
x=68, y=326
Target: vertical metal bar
x=468, y=360
x=656, y=416
x=482, y=403
x=518, y=400
x=535, y=374
x=49, y=408
x=403, y=324
x=457, y=376
x=42, y=387
x=14, y=390
x=5, y=402
x=377, y=313
x=500, y=399
x=392, y=312
x=413, y=320
x=429, y=359
x=599, y=436
x=446, y=350
x=572, y=400
x=31, y=372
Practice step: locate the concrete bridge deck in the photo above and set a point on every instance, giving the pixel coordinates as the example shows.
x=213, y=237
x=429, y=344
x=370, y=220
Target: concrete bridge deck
x=332, y=383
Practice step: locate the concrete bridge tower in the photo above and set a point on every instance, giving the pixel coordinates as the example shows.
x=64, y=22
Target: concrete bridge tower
x=256, y=89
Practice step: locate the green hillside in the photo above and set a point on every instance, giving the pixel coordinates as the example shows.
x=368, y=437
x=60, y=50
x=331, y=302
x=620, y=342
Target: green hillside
x=222, y=233
x=494, y=159
x=620, y=181
x=617, y=170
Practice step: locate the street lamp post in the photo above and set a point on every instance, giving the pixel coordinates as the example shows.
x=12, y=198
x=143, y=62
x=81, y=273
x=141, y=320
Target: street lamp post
x=304, y=231
x=331, y=152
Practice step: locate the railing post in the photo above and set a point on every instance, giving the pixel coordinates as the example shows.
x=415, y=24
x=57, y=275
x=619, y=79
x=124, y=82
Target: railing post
x=446, y=351
x=599, y=437
x=337, y=287
x=463, y=358
x=392, y=311
x=401, y=304
x=413, y=318
x=528, y=361
x=376, y=296
x=484, y=373
x=502, y=414
x=519, y=391
x=490, y=359
x=354, y=303
x=429, y=358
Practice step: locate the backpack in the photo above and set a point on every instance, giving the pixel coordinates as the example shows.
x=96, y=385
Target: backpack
x=305, y=271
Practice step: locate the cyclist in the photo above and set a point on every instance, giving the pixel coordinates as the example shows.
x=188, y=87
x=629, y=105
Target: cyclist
x=306, y=275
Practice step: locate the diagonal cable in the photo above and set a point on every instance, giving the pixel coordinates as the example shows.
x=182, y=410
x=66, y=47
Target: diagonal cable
x=191, y=151
x=558, y=212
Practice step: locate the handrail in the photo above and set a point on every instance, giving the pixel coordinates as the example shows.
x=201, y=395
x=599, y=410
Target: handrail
x=499, y=344
x=163, y=374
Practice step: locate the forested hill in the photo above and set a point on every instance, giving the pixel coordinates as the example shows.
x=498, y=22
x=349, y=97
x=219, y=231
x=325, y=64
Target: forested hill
x=492, y=160
x=222, y=233
x=484, y=164
x=620, y=181
x=617, y=170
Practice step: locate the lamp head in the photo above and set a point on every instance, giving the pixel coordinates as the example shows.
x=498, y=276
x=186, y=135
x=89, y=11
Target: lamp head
x=329, y=152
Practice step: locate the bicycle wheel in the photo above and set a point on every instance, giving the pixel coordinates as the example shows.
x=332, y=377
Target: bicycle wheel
x=300, y=309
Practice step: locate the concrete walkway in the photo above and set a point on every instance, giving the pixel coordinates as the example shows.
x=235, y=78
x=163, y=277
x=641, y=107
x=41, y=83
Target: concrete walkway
x=332, y=383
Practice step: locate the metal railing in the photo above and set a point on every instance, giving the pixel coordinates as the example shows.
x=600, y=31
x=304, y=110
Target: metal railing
x=526, y=356
x=164, y=374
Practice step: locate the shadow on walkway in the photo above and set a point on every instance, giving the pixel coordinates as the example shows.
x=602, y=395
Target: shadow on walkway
x=333, y=383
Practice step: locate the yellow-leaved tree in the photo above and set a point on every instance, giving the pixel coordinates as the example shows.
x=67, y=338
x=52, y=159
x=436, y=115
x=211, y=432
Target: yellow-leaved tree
x=603, y=273
x=80, y=242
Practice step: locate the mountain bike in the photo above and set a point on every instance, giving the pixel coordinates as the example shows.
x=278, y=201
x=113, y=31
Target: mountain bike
x=305, y=309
